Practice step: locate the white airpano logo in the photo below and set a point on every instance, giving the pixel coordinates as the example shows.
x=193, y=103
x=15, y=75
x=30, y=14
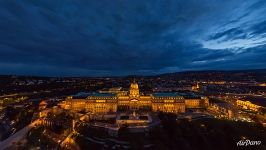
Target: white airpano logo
x=247, y=143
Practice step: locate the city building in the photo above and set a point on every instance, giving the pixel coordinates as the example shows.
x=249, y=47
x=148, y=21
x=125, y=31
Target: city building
x=105, y=102
x=252, y=103
x=195, y=88
x=223, y=109
x=117, y=90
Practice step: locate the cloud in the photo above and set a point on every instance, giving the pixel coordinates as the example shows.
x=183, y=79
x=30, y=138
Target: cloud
x=129, y=37
x=243, y=28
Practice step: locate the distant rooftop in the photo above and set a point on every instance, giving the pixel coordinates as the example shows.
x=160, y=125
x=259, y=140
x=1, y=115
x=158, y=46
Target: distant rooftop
x=166, y=94
x=103, y=94
x=185, y=95
x=190, y=95
x=261, y=101
x=83, y=95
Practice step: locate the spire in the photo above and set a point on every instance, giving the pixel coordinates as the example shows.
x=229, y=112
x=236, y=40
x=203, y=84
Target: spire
x=134, y=80
x=198, y=85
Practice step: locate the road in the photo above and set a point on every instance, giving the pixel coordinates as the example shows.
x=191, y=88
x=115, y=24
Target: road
x=67, y=140
x=18, y=136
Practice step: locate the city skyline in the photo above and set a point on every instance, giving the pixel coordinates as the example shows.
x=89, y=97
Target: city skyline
x=116, y=38
x=132, y=75
x=164, y=112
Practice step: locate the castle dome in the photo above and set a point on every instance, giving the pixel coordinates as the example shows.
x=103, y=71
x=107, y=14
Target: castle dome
x=134, y=89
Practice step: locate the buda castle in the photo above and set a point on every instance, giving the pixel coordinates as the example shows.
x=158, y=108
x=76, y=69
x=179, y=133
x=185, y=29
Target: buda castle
x=116, y=100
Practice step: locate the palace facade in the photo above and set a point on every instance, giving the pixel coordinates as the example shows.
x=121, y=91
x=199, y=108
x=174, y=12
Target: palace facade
x=104, y=102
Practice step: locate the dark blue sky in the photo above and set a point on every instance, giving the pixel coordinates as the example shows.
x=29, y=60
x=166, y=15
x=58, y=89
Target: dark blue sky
x=120, y=37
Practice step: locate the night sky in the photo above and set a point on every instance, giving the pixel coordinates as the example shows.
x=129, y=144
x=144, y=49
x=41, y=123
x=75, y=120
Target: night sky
x=121, y=37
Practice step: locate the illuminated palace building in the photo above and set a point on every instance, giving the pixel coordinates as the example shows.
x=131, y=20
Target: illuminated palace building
x=115, y=100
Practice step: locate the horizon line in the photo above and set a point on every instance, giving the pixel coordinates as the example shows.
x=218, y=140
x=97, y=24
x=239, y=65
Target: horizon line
x=129, y=75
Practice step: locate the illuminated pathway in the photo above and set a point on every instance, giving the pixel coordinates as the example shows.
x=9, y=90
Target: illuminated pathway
x=67, y=140
x=18, y=136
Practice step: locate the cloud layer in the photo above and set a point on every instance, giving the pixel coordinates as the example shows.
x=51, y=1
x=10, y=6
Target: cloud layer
x=120, y=37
